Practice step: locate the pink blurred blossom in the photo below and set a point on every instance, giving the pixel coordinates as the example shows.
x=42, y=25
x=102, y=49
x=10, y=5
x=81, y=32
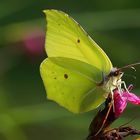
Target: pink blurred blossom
x=122, y=98
x=33, y=42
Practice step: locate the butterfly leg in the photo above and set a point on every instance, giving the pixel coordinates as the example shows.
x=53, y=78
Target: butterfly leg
x=112, y=94
x=119, y=87
x=124, y=84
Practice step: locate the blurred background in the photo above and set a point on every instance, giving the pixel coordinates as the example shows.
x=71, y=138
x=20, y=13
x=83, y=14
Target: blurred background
x=25, y=113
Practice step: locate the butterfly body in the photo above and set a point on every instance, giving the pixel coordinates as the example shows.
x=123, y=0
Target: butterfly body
x=113, y=80
x=77, y=72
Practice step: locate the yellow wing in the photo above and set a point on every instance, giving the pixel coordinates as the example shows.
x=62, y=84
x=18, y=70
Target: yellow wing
x=72, y=84
x=66, y=38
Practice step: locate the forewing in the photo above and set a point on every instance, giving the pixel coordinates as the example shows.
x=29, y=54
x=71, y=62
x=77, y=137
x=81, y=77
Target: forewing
x=66, y=38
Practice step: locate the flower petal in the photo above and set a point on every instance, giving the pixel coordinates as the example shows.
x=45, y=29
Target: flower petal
x=120, y=103
x=131, y=97
x=121, y=99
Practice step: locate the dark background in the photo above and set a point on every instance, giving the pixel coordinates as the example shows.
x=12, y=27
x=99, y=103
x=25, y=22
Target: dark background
x=25, y=114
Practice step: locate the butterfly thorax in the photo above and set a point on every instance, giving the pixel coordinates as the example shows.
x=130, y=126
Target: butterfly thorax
x=113, y=80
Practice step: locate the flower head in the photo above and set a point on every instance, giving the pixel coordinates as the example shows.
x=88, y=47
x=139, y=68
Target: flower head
x=122, y=98
x=33, y=42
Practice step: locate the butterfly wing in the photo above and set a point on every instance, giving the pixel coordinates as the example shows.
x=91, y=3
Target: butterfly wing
x=66, y=38
x=75, y=64
x=72, y=83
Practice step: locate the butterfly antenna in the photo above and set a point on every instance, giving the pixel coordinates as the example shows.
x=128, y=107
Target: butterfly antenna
x=129, y=66
x=133, y=68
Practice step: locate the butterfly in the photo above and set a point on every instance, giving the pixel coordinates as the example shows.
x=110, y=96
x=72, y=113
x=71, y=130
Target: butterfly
x=77, y=74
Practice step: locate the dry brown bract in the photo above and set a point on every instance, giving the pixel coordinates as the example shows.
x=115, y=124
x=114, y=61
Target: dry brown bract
x=100, y=126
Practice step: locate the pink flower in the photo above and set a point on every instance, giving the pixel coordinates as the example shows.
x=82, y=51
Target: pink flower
x=33, y=42
x=121, y=100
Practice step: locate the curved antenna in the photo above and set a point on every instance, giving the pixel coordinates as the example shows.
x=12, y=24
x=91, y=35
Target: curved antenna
x=129, y=66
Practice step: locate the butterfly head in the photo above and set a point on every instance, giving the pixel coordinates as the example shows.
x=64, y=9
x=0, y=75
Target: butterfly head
x=113, y=79
x=116, y=74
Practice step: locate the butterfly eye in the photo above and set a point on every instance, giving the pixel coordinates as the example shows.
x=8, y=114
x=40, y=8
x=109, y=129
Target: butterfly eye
x=116, y=73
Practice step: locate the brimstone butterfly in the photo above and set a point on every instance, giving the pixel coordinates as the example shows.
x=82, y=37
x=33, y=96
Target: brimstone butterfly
x=77, y=74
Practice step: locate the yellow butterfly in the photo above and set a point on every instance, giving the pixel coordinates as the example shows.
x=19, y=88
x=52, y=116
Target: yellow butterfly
x=77, y=74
